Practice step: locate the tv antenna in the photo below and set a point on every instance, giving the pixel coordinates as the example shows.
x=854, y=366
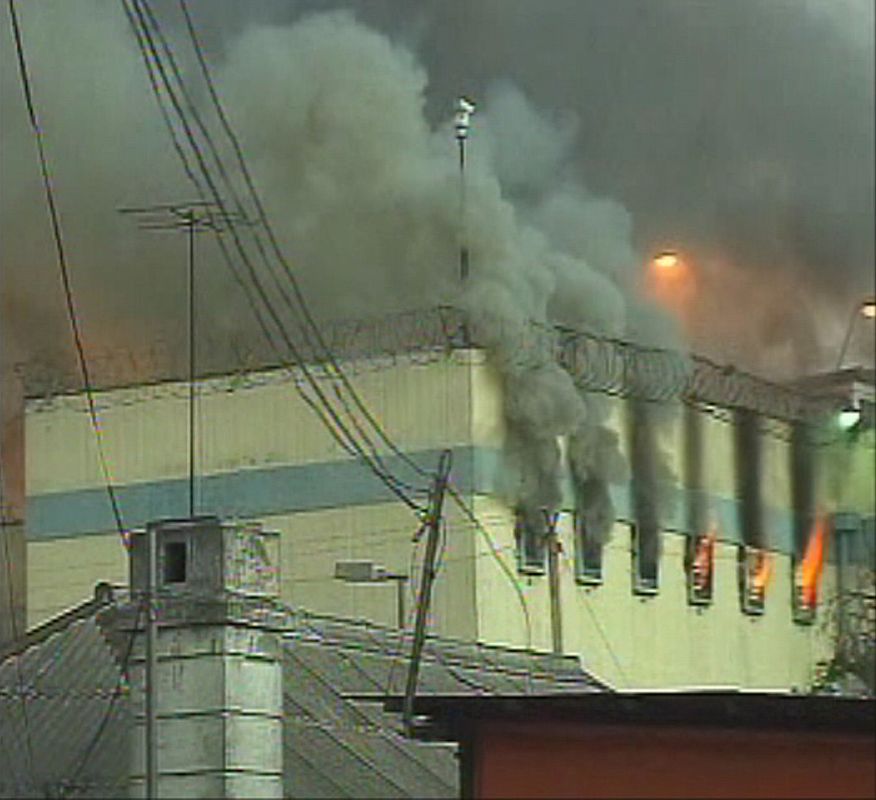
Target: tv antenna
x=192, y=217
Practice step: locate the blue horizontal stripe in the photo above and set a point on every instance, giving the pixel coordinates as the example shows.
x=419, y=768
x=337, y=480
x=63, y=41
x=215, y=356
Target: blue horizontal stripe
x=285, y=489
x=245, y=493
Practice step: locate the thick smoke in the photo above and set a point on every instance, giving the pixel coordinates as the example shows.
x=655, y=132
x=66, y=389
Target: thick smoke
x=352, y=149
x=741, y=132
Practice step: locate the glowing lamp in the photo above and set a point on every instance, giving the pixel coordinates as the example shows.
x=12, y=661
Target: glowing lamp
x=666, y=260
x=868, y=309
x=849, y=417
x=462, y=119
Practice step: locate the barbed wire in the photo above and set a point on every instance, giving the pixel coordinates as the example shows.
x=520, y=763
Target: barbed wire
x=598, y=364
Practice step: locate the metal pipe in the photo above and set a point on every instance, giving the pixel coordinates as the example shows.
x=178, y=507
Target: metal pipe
x=191, y=226
x=463, y=236
x=553, y=548
x=401, y=583
x=151, y=667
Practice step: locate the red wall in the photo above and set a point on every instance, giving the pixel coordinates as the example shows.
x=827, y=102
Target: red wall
x=568, y=760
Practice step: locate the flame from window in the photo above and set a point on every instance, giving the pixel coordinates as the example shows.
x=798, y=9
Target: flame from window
x=704, y=559
x=762, y=572
x=813, y=561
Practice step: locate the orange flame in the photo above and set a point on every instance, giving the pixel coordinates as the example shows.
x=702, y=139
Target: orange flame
x=813, y=561
x=763, y=572
x=703, y=560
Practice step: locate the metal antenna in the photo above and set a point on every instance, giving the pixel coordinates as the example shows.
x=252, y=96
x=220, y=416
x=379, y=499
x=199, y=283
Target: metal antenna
x=193, y=217
x=461, y=122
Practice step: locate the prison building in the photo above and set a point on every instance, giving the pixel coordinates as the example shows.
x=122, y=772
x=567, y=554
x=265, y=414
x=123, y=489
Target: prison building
x=707, y=592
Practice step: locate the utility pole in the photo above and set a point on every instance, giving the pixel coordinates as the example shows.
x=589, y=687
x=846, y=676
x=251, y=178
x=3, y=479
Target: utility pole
x=461, y=122
x=553, y=551
x=192, y=217
x=425, y=596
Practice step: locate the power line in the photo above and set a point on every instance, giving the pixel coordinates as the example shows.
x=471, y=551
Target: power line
x=235, y=143
x=308, y=327
x=62, y=265
x=337, y=428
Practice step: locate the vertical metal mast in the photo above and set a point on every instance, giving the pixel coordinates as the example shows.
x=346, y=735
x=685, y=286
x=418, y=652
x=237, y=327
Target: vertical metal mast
x=151, y=727
x=461, y=122
x=193, y=217
x=190, y=223
x=553, y=558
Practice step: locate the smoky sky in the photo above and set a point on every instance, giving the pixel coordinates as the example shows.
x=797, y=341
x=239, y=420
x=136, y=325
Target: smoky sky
x=739, y=132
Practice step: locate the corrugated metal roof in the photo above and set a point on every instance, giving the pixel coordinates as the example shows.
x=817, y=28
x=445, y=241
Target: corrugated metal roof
x=59, y=724
x=66, y=721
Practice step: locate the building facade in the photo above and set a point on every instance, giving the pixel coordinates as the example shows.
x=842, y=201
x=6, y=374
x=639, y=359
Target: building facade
x=708, y=593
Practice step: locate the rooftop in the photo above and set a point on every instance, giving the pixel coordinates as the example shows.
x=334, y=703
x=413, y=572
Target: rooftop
x=66, y=720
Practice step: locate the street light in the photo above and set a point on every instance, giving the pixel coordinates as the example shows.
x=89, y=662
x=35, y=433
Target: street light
x=363, y=571
x=865, y=308
x=666, y=260
x=849, y=416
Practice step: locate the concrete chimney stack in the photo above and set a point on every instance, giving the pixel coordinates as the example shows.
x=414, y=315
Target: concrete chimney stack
x=219, y=669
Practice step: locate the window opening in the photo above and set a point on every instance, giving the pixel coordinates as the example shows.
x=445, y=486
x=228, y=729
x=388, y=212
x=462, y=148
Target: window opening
x=588, y=552
x=645, y=532
x=701, y=568
x=175, y=555
x=530, y=533
x=699, y=551
x=755, y=574
x=755, y=563
x=806, y=533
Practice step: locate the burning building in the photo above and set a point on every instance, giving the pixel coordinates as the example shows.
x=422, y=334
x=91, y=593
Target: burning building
x=618, y=498
x=677, y=563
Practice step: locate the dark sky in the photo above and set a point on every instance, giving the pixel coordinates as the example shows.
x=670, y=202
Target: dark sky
x=740, y=132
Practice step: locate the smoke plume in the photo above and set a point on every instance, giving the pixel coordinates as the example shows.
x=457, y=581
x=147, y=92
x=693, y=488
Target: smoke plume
x=710, y=126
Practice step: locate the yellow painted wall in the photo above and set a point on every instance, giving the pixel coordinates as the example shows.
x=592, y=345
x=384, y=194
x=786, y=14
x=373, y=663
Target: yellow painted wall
x=62, y=573
x=847, y=478
x=257, y=421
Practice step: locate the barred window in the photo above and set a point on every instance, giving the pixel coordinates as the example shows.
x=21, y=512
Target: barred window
x=754, y=561
x=805, y=530
x=530, y=533
x=645, y=532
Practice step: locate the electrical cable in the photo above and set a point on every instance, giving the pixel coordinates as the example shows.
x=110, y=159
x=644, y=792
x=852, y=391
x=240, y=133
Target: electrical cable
x=326, y=355
x=235, y=143
x=388, y=478
x=62, y=265
x=350, y=440
x=190, y=174
x=494, y=552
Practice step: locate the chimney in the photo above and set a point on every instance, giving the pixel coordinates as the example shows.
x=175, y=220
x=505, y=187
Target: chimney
x=13, y=549
x=218, y=660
